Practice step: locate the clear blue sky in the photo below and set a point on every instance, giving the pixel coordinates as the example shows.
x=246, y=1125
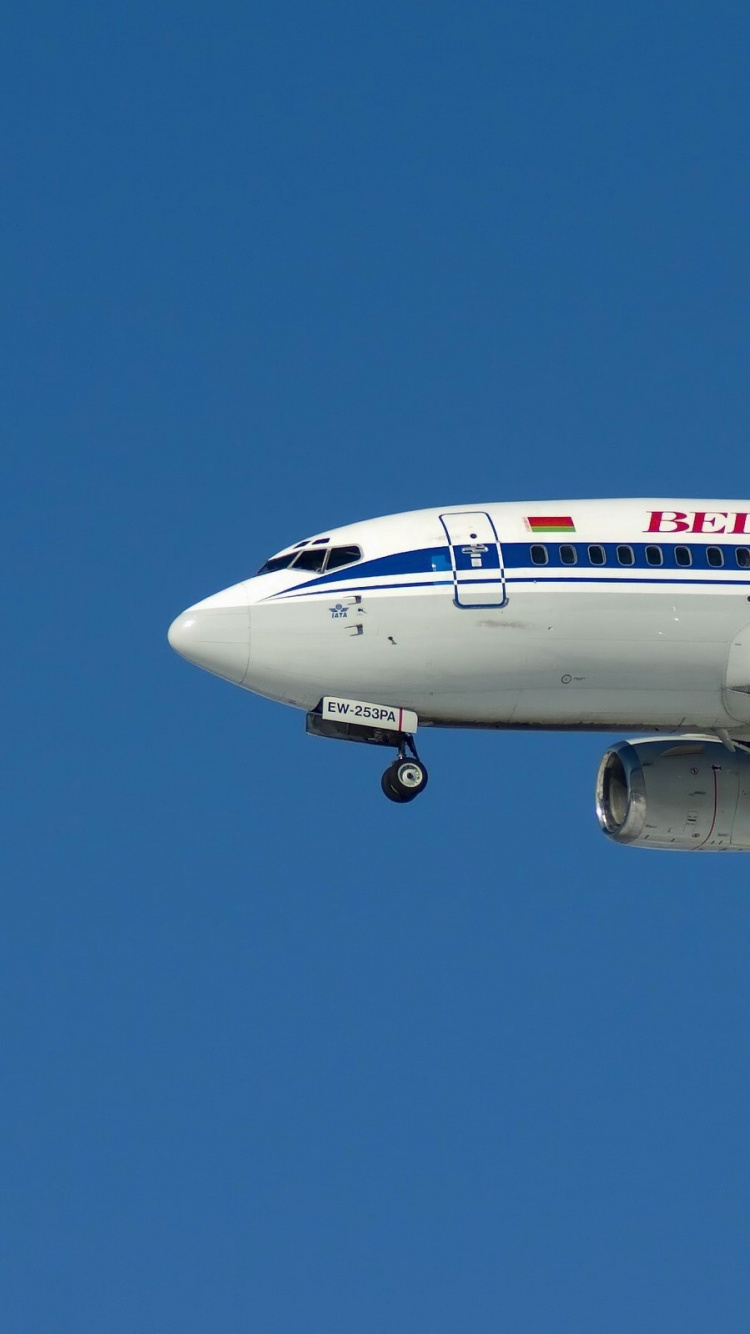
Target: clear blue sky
x=277, y=1055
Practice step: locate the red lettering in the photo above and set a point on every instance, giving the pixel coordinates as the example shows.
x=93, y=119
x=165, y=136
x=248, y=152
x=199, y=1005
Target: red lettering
x=740, y=521
x=659, y=518
x=705, y=521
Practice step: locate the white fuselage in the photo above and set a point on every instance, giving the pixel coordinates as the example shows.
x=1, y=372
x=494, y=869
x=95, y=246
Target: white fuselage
x=622, y=614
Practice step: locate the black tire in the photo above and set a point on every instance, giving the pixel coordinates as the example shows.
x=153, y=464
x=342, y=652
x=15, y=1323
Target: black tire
x=404, y=780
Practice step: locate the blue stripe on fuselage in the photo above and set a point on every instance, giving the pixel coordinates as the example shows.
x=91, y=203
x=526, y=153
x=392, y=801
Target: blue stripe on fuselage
x=517, y=556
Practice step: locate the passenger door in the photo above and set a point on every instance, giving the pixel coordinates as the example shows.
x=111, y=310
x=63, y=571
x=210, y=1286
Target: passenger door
x=476, y=559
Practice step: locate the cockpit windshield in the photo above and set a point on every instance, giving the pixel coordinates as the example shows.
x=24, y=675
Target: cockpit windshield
x=313, y=559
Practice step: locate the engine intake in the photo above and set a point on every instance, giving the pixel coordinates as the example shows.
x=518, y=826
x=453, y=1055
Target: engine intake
x=691, y=795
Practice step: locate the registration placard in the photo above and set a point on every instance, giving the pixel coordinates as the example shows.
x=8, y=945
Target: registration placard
x=360, y=711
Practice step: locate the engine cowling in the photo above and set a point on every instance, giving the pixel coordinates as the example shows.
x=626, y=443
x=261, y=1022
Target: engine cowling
x=691, y=795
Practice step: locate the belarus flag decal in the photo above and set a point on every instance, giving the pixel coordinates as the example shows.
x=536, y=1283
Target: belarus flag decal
x=551, y=523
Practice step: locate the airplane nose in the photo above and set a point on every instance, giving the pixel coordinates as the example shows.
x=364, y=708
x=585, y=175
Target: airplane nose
x=214, y=636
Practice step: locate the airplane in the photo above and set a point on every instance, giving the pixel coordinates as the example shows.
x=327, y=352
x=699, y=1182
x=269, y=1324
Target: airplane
x=580, y=615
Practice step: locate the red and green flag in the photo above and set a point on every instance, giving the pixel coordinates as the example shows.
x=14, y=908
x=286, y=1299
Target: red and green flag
x=551, y=523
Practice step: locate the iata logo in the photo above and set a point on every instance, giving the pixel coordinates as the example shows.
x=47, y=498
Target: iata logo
x=699, y=521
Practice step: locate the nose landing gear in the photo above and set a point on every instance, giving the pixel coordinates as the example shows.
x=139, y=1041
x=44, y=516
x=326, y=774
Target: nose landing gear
x=375, y=725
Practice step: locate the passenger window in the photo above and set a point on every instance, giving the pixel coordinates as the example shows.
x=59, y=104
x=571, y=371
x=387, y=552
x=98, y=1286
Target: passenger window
x=743, y=557
x=654, y=556
x=715, y=557
x=625, y=555
x=597, y=556
x=568, y=555
x=683, y=556
x=343, y=556
x=539, y=555
x=312, y=559
x=277, y=563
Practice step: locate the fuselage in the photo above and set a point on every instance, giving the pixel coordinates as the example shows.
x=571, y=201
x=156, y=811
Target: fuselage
x=600, y=614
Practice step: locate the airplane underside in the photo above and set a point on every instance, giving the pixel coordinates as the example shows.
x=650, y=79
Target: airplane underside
x=567, y=661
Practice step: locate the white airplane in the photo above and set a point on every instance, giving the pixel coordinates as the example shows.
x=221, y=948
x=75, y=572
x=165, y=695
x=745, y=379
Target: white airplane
x=610, y=615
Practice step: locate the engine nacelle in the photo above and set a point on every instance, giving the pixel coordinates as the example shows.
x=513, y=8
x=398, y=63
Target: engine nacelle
x=691, y=795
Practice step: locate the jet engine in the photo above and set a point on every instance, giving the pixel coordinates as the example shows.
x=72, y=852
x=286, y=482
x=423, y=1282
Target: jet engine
x=691, y=795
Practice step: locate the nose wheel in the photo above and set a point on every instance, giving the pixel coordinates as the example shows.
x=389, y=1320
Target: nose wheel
x=404, y=779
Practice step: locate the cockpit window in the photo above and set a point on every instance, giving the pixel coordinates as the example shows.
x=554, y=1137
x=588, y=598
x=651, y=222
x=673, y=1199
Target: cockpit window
x=312, y=559
x=339, y=556
x=277, y=563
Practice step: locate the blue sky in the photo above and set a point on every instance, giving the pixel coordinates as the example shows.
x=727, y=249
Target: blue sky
x=276, y=1054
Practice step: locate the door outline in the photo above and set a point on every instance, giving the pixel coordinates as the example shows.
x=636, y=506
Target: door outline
x=465, y=579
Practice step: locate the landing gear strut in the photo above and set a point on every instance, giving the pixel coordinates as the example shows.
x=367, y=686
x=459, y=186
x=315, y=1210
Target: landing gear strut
x=406, y=777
